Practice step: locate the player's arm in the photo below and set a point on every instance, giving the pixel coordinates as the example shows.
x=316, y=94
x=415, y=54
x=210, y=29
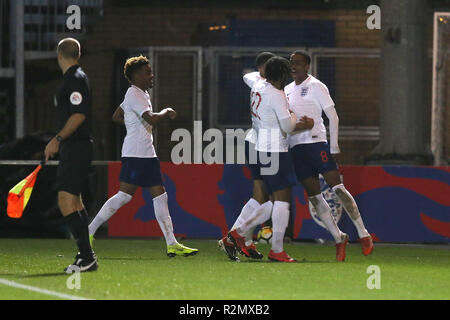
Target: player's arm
x=323, y=97
x=119, y=116
x=334, y=129
x=153, y=118
x=305, y=123
x=251, y=78
x=286, y=117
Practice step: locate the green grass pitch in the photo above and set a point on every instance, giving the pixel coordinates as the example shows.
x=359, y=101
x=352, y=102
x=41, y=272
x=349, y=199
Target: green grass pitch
x=140, y=269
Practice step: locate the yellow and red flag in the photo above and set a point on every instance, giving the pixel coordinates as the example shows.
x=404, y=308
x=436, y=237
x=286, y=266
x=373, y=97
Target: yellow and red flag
x=19, y=195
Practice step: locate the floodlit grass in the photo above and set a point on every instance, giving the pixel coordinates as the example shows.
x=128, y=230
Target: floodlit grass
x=140, y=269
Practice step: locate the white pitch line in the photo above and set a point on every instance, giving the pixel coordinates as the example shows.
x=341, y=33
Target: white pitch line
x=39, y=290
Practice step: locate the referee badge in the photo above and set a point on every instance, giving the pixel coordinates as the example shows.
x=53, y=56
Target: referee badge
x=76, y=98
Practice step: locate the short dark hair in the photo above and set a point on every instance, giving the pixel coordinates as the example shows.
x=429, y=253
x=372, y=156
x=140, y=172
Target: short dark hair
x=262, y=58
x=304, y=54
x=69, y=48
x=132, y=65
x=277, y=69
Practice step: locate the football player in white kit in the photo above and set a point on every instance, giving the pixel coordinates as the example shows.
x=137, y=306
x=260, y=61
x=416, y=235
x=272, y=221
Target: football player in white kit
x=259, y=205
x=272, y=121
x=259, y=208
x=140, y=165
x=311, y=153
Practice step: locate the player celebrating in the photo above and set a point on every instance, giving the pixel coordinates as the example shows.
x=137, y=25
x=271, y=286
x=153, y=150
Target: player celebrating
x=259, y=206
x=140, y=165
x=311, y=152
x=272, y=120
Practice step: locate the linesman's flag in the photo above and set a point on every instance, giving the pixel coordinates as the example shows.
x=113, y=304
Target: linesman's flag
x=19, y=195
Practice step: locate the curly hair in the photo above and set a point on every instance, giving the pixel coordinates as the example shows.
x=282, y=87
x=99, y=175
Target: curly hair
x=277, y=69
x=132, y=65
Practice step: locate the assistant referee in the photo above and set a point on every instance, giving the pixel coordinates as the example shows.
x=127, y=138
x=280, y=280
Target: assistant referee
x=75, y=146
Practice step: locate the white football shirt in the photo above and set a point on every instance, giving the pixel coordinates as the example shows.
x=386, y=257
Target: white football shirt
x=138, y=142
x=268, y=106
x=309, y=99
x=251, y=79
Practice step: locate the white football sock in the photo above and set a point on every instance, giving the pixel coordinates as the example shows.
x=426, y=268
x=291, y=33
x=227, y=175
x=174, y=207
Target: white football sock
x=280, y=221
x=246, y=211
x=257, y=217
x=161, y=206
x=324, y=212
x=351, y=208
x=108, y=210
x=249, y=236
x=261, y=217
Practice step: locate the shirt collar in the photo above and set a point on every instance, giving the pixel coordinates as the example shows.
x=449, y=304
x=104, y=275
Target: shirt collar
x=304, y=81
x=139, y=89
x=71, y=70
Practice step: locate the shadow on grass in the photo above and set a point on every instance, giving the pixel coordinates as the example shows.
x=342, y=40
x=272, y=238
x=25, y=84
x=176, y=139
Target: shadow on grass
x=127, y=258
x=35, y=275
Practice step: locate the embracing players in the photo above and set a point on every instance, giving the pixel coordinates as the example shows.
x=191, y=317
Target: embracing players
x=272, y=121
x=259, y=208
x=311, y=153
x=140, y=165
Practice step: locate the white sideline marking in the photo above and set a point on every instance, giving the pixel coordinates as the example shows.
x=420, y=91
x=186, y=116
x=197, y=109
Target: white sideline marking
x=39, y=290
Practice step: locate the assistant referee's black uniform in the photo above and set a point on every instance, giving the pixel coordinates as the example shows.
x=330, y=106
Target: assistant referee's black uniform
x=75, y=152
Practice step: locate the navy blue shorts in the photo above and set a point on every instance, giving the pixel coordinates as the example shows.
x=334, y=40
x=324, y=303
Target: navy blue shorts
x=310, y=159
x=284, y=177
x=142, y=172
x=252, y=164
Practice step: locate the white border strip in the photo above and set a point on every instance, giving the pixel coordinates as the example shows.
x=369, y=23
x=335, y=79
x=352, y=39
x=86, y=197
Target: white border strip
x=39, y=290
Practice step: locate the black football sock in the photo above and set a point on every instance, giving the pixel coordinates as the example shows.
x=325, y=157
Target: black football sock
x=79, y=229
x=84, y=215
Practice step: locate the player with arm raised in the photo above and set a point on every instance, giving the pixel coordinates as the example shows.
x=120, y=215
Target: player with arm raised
x=140, y=165
x=258, y=209
x=312, y=154
x=272, y=121
x=259, y=203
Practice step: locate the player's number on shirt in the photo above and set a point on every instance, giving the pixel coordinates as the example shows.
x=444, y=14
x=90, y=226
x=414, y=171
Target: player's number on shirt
x=256, y=101
x=324, y=156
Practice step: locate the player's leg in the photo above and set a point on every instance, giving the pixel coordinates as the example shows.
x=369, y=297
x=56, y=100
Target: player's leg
x=312, y=187
x=260, y=213
x=248, y=225
x=280, y=221
x=121, y=198
x=280, y=183
x=333, y=179
x=261, y=195
x=305, y=157
x=244, y=228
x=250, y=212
x=247, y=211
x=129, y=180
x=161, y=206
x=308, y=159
